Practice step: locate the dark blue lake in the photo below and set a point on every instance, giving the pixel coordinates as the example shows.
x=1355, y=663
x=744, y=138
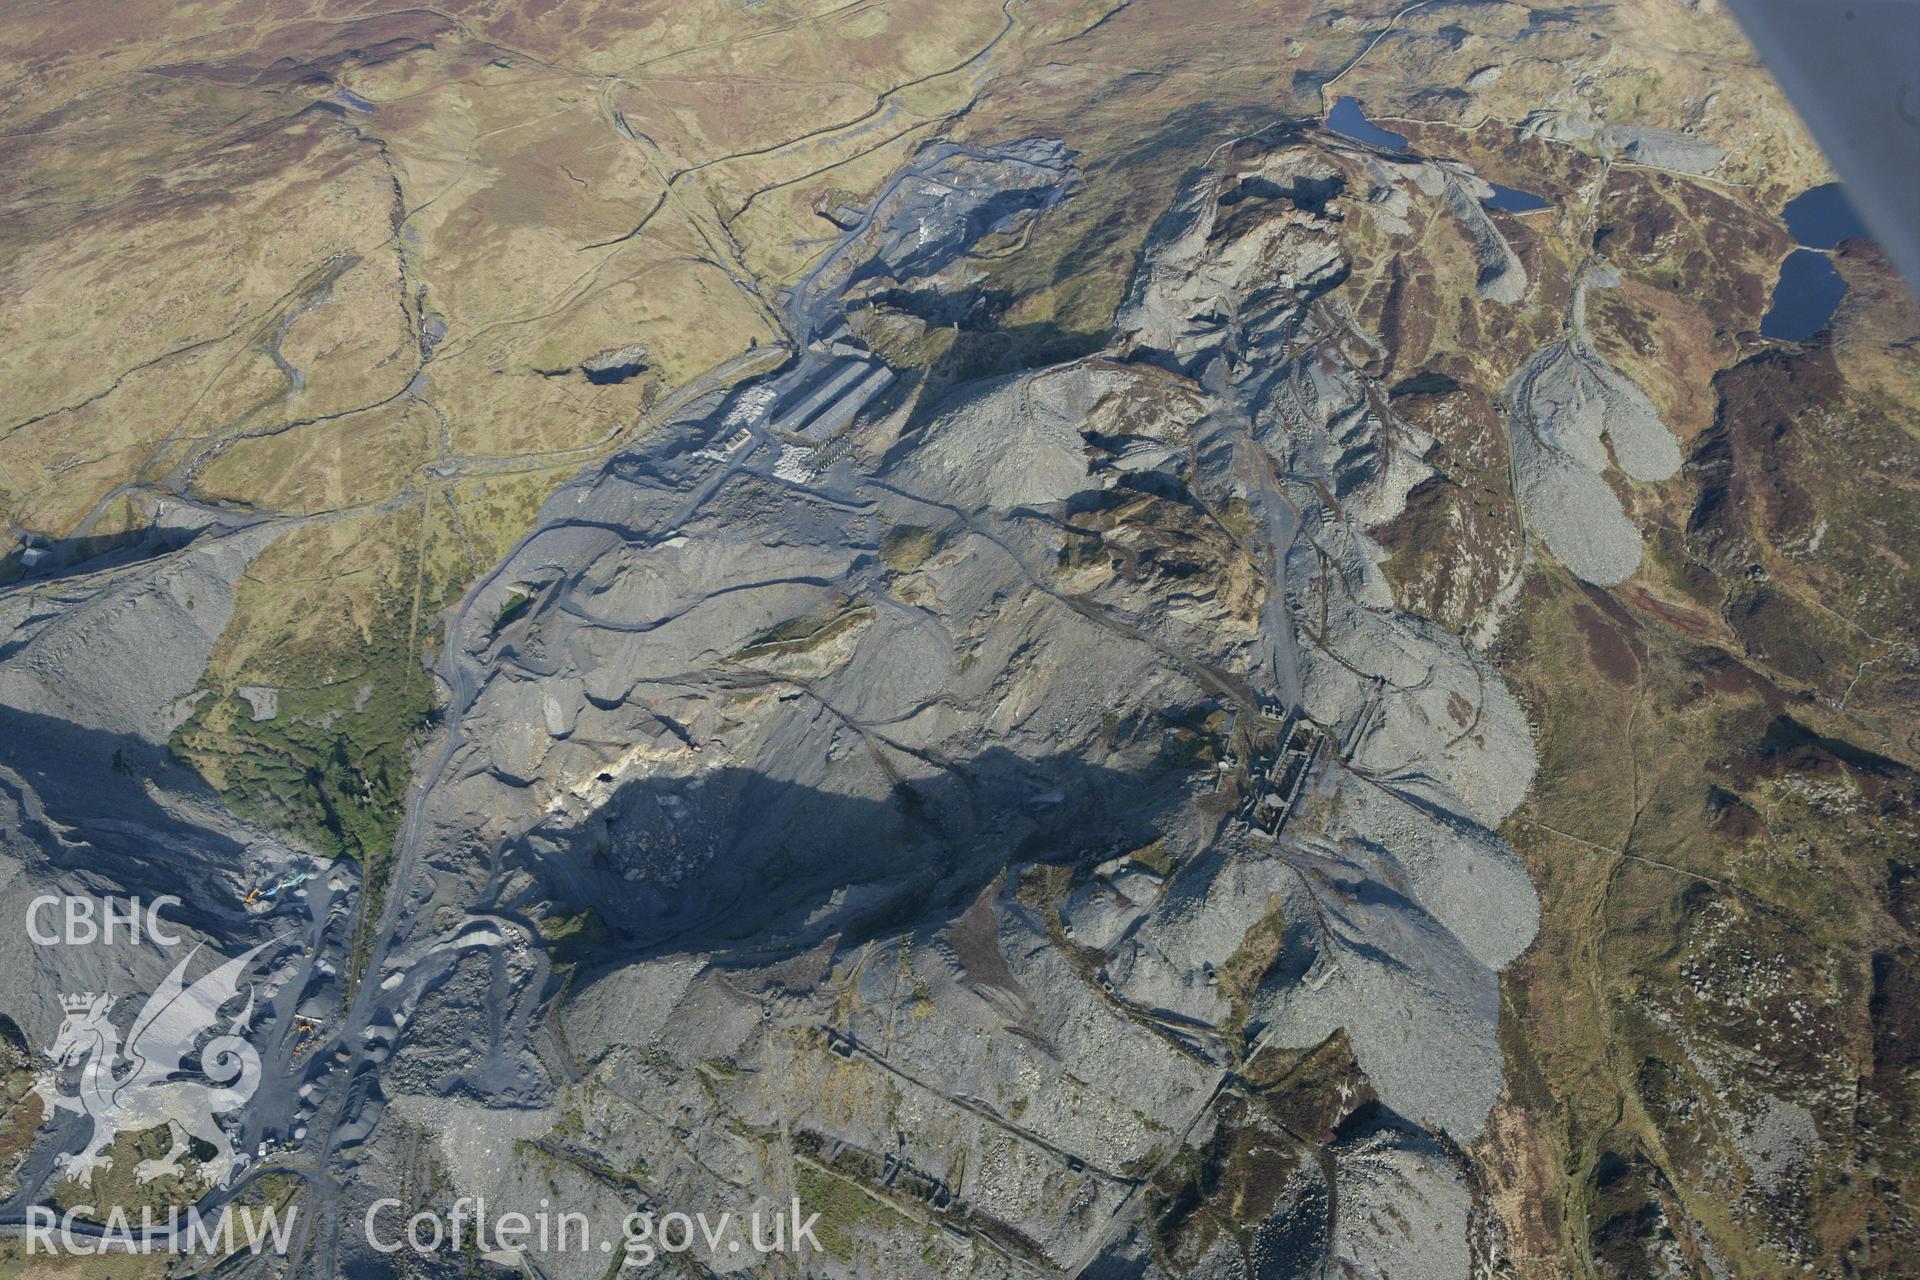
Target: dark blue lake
x=1347, y=119
x=1821, y=217
x=1810, y=289
x=1805, y=299
x=1513, y=200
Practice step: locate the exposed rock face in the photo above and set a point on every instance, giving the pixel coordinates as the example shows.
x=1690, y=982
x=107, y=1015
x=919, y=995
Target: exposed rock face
x=1502, y=278
x=1401, y=1187
x=1018, y=747
x=1394, y=685
x=127, y=647
x=827, y=797
x=817, y=803
x=93, y=810
x=1015, y=445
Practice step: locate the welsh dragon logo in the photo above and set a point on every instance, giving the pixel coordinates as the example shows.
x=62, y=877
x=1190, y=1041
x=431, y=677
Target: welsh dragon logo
x=151, y=1081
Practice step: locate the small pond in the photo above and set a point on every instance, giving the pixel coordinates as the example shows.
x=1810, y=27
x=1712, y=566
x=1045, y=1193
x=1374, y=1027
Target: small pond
x=1347, y=120
x=1513, y=200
